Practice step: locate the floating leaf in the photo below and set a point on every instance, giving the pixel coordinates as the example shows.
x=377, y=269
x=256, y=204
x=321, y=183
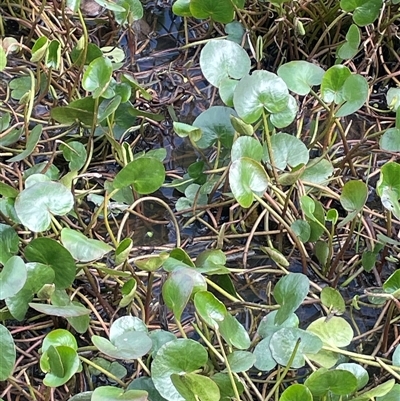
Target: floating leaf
x=145, y=174
x=296, y=392
x=219, y=11
x=284, y=341
x=179, y=356
x=335, y=331
x=221, y=59
x=301, y=76
x=338, y=382
x=216, y=125
x=287, y=151
x=247, y=177
x=194, y=387
x=358, y=371
x=35, y=205
x=260, y=91
x=364, y=11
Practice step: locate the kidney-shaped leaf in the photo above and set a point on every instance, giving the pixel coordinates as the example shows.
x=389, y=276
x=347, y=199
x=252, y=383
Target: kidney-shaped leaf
x=283, y=344
x=220, y=11
x=339, y=382
x=83, y=249
x=335, y=331
x=221, y=59
x=246, y=146
x=145, y=174
x=296, y=392
x=35, y=205
x=288, y=151
x=180, y=356
x=261, y=90
x=355, y=93
x=364, y=11
x=195, y=387
x=300, y=76
x=216, y=125
x=97, y=76
x=210, y=309
x=247, y=177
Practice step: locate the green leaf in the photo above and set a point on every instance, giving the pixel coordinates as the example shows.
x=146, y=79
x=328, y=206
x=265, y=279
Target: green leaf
x=62, y=311
x=81, y=248
x=358, y=371
x=97, y=76
x=235, y=31
x=221, y=59
x=333, y=300
x=301, y=76
x=380, y=390
x=246, y=146
x=388, y=187
x=49, y=252
x=182, y=8
x=317, y=171
x=128, y=345
x=53, y=54
x=108, y=107
x=289, y=292
x=302, y=230
x=3, y=59
x=226, y=90
x=393, y=98
x=179, y=356
x=247, y=177
x=392, y=395
x=262, y=352
x=133, y=11
x=353, y=198
x=260, y=91
x=338, y=382
x=31, y=143
x=12, y=277
x=333, y=82
x=75, y=153
x=109, y=393
x=268, y=326
x=390, y=140
x=70, y=365
x=349, y=49
x=216, y=125
x=296, y=392
x=39, y=49
x=35, y=205
x=219, y=11
x=234, y=333
x=364, y=11
x=209, y=308
x=176, y=291
x=78, y=110
x=37, y=275
x=241, y=361
x=195, y=387
x=392, y=283
x=9, y=241
x=145, y=383
x=7, y=354
x=284, y=341
x=335, y=331
x=145, y=174
x=287, y=151
x=285, y=117
x=355, y=93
